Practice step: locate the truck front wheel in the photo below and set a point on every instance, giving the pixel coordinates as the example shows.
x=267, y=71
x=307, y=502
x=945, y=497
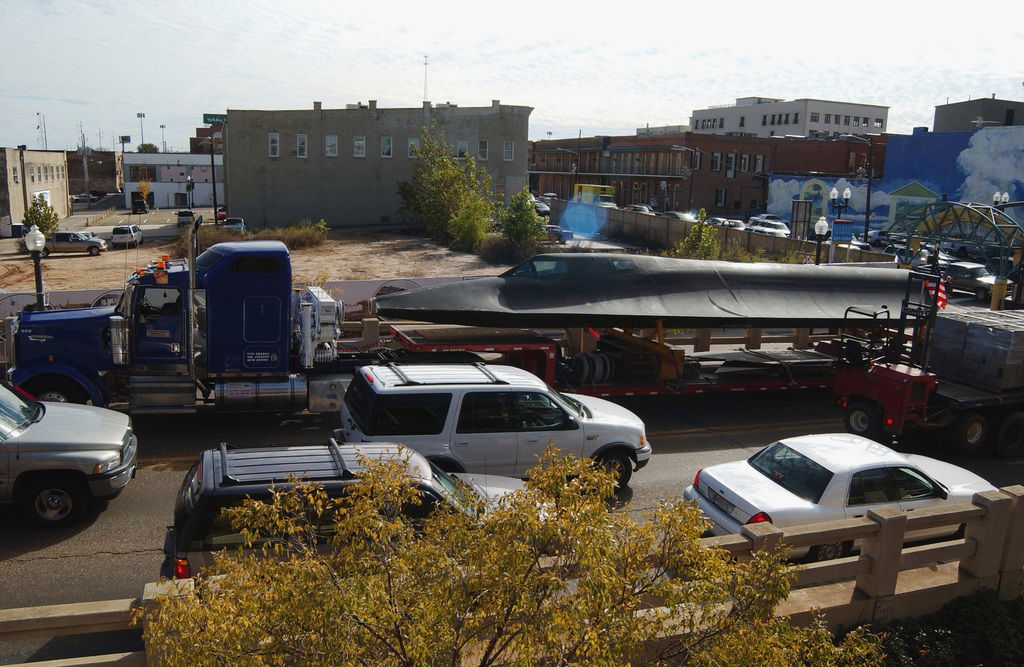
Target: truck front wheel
x=56, y=390
x=619, y=465
x=1010, y=438
x=53, y=502
x=863, y=419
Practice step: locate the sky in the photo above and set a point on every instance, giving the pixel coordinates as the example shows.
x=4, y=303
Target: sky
x=79, y=68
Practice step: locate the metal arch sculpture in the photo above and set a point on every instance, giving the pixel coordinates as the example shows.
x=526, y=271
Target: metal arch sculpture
x=976, y=224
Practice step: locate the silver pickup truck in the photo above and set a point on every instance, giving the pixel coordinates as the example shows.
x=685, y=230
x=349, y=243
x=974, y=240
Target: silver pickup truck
x=55, y=458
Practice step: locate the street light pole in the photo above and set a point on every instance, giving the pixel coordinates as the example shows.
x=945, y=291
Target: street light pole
x=838, y=208
x=820, y=229
x=142, y=134
x=163, y=142
x=35, y=242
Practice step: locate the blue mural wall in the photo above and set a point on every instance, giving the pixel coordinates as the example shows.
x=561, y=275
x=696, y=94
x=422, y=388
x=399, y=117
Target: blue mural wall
x=921, y=167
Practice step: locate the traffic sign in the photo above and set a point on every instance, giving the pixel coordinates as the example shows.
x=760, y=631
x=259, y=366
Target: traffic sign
x=215, y=118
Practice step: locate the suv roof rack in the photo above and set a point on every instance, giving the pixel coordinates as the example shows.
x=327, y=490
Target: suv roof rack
x=405, y=380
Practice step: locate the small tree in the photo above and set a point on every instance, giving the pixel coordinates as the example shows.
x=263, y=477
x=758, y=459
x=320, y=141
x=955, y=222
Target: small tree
x=549, y=576
x=520, y=223
x=442, y=187
x=700, y=243
x=145, y=186
x=147, y=148
x=43, y=216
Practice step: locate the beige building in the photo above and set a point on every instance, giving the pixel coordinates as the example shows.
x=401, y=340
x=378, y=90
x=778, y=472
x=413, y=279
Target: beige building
x=28, y=174
x=773, y=117
x=343, y=166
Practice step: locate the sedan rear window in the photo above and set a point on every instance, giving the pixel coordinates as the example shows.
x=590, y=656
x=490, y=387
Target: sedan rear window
x=792, y=471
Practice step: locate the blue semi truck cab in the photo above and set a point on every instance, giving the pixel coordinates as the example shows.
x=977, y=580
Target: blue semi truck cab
x=224, y=329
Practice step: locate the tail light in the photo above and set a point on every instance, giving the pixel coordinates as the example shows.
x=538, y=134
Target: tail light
x=760, y=517
x=181, y=568
x=696, y=479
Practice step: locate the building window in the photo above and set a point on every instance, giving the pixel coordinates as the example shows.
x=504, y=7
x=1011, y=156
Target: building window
x=414, y=145
x=743, y=121
x=764, y=120
x=878, y=123
x=786, y=122
x=15, y=174
x=865, y=123
x=509, y=151
x=796, y=118
x=856, y=121
x=385, y=146
x=720, y=197
x=730, y=166
x=758, y=164
x=814, y=117
x=773, y=119
x=482, y=150
x=273, y=144
x=331, y=145
x=138, y=173
x=828, y=118
x=721, y=122
x=716, y=162
x=462, y=149
x=744, y=163
x=358, y=146
x=846, y=120
x=839, y=119
x=300, y=145
x=695, y=160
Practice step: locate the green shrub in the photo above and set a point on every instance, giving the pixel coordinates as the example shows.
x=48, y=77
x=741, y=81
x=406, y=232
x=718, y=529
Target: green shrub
x=977, y=629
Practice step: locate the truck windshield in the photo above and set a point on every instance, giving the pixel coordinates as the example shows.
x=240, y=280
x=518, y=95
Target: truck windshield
x=207, y=258
x=15, y=412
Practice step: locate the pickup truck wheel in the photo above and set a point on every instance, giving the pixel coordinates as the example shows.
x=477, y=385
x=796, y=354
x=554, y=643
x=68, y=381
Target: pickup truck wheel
x=619, y=465
x=981, y=294
x=968, y=432
x=45, y=252
x=1010, y=437
x=53, y=502
x=56, y=390
x=864, y=419
x=94, y=251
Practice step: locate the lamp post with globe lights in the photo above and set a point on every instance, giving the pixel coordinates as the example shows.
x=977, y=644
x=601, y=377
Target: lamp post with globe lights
x=820, y=229
x=35, y=242
x=1000, y=198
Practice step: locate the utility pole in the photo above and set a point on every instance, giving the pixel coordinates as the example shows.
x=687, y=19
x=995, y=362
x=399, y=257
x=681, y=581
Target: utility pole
x=425, y=98
x=162, y=140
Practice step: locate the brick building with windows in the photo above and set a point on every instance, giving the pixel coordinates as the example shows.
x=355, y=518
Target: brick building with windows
x=27, y=174
x=343, y=166
x=723, y=174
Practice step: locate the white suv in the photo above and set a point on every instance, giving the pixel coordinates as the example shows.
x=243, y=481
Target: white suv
x=483, y=418
x=126, y=235
x=762, y=225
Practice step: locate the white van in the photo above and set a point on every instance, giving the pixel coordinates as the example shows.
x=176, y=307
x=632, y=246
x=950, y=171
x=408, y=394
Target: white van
x=483, y=418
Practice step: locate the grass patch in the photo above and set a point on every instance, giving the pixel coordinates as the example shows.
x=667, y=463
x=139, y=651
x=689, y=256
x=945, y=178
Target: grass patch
x=298, y=236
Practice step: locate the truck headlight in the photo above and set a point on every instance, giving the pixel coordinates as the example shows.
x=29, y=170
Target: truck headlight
x=107, y=465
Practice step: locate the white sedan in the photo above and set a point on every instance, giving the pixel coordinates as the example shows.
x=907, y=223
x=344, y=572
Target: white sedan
x=828, y=477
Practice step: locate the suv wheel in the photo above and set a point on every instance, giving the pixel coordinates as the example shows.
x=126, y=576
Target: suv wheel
x=93, y=250
x=619, y=465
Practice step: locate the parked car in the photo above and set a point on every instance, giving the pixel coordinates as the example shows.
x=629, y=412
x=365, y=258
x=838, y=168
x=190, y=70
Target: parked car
x=558, y=234
x=680, y=215
x=878, y=238
x=974, y=278
x=226, y=477
x=84, y=197
x=186, y=217
x=237, y=224
x=487, y=418
x=543, y=210
x=817, y=478
x=640, y=208
x=716, y=222
x=74, y=242
x=924, y=260
x=768, y=227
x=59, y=457
x=734, y=223
x=766, y=216
x=126, y=235
x=222, y=213
x=139, y=206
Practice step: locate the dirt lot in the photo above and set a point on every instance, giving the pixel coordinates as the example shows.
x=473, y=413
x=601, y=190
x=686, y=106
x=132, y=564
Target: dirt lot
x=343, y=257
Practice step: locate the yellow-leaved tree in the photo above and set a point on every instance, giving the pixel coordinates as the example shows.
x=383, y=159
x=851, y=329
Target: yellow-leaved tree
x=551, y=576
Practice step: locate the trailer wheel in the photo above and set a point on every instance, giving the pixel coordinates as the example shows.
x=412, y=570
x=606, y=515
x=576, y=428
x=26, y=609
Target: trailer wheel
x=864, y=419
x=968, y=432
x=1010, y=437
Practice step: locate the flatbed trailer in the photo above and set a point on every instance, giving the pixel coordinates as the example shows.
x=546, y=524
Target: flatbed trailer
x=628, y=364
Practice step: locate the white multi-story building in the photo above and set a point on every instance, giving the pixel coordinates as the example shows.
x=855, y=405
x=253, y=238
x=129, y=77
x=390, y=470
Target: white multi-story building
x=168, y=175
x=771, y=117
